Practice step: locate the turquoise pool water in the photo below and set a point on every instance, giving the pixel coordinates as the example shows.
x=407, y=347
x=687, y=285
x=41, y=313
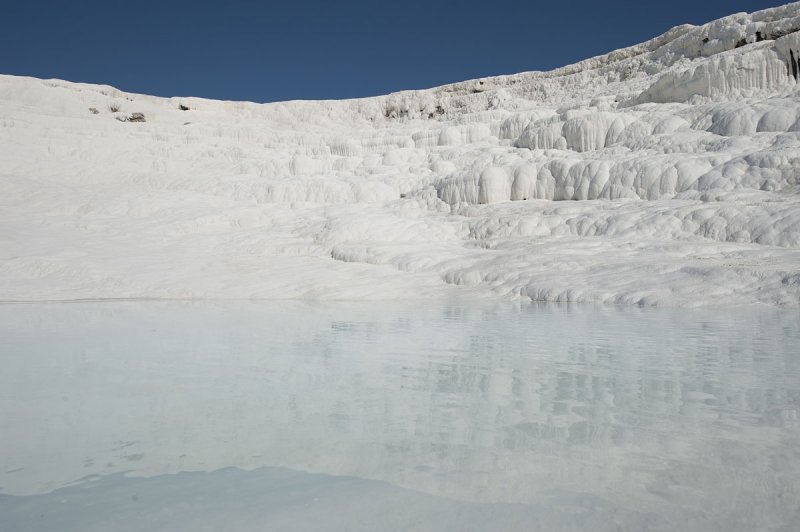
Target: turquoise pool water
x=478, y=416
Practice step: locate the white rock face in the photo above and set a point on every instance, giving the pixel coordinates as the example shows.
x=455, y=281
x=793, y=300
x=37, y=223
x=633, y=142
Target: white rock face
x=664, y=173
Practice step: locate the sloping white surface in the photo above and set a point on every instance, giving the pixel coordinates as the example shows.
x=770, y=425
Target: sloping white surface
x=665, y=173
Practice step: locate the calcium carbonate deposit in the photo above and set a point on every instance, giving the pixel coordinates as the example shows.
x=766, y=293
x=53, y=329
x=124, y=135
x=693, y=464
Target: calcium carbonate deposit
x=667, y=173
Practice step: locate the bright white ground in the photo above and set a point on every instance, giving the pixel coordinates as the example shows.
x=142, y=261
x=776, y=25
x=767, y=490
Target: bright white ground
x=667, y=173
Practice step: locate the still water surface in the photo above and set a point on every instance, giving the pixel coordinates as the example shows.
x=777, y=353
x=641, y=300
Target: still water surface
x=292, y=416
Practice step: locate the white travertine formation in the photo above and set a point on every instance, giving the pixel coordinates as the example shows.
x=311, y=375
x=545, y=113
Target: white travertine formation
x=680, y=158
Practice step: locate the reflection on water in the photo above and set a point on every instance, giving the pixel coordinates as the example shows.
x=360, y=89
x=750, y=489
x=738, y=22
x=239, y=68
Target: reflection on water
x=635, y=418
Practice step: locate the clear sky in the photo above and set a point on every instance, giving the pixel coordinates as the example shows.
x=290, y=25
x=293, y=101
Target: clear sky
x=297, y=49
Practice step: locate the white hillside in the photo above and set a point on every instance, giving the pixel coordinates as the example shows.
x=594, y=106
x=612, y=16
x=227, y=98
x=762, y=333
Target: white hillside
x=665, y=173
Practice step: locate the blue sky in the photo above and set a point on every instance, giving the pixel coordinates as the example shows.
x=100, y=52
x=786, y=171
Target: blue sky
x=271, y=51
